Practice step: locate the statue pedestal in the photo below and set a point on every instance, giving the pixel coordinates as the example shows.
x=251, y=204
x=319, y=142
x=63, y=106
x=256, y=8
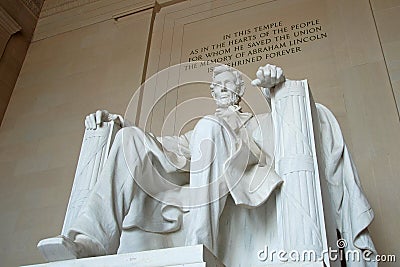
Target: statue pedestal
x=193, y=256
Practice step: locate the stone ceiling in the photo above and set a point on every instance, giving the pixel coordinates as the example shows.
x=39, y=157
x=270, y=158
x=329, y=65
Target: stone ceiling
x=34, y=6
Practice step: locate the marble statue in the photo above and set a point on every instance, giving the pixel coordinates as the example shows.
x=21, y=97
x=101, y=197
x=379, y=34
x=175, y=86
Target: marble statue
x=156, y=192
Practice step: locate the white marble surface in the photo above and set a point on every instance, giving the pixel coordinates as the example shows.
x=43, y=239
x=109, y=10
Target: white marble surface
x=221, y=145
x=191, y=256
x=94, y=152
x=301, y=219
x=293, y=221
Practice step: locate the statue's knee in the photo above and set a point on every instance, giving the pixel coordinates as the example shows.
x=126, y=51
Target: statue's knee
x=127, y=133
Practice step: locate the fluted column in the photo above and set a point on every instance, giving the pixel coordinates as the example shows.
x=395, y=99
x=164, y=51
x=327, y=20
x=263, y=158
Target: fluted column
x=300, y=215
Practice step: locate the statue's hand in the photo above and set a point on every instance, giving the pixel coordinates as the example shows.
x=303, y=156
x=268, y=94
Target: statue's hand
x=268, y=76
x=95, y=120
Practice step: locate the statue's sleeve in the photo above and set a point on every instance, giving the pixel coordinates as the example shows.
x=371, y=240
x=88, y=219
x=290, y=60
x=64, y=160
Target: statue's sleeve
x=352, y=211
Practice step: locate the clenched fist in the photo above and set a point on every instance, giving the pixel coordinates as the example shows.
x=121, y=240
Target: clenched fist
x=95, y=120
x=268, y=76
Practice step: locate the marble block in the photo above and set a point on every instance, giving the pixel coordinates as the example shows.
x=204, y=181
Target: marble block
x=190, y=256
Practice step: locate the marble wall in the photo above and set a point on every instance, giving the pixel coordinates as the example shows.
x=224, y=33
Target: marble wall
x=386, y=18
x=89, y=54
x=65, y=75
x=17, y=22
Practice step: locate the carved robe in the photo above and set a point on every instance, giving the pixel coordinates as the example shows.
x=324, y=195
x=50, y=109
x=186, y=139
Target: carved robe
x=141, y=202
x=140, y=187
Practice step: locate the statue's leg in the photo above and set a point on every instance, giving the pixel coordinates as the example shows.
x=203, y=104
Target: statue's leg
x=212, y=143
x=97, y=229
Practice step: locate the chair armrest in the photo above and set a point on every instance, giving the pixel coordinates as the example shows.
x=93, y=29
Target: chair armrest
x=95, y=148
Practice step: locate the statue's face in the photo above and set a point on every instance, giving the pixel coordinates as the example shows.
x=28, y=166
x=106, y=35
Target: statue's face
x=224, y=89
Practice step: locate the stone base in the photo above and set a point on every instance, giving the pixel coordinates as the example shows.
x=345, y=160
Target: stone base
x=193, y=256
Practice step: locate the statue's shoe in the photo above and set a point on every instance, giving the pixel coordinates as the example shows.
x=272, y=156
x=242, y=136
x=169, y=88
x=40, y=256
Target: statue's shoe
x=58, y=248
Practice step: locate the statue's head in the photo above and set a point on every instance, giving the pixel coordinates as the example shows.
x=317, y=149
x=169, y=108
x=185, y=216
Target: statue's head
x=227, y=86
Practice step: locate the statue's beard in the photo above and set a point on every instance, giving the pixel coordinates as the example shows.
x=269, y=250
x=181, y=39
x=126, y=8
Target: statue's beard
x=224, y=103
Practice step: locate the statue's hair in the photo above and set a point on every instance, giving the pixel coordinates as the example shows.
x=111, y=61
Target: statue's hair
x=240, y=87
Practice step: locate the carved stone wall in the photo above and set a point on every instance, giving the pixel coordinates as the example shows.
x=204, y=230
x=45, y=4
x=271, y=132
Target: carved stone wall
x=34, y=6
x=60, y=16
x=8, y=26
x=387, y=21
x=17, y=21
x=90, y=54
x=63, y=77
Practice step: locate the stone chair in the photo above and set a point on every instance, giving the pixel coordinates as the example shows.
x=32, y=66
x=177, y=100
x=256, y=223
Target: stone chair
x=302, y=215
